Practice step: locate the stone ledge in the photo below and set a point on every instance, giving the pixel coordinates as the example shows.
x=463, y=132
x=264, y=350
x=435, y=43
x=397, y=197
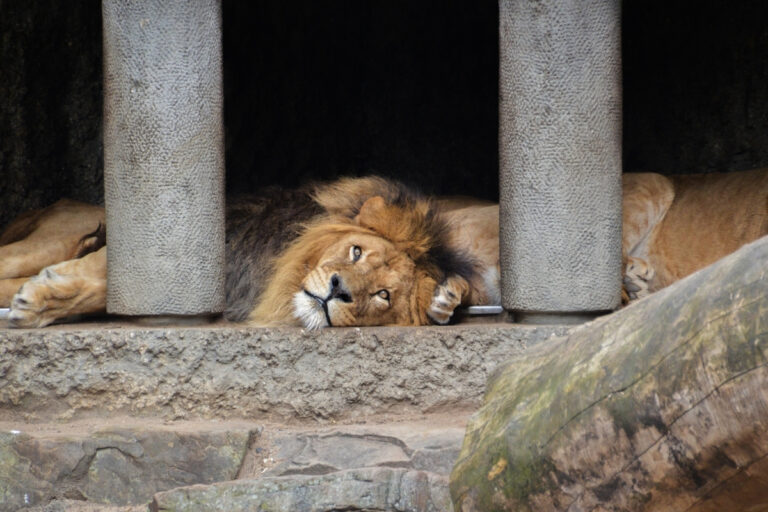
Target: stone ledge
x=78, y=371
x=96, y=403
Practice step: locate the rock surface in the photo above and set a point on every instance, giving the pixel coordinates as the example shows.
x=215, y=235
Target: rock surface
x=110, y=375
x=116, y=465
x=82, y=506
x=68, y=372
x=661, y=406
x=402, y=462
x=431, y=446
x=369, y=489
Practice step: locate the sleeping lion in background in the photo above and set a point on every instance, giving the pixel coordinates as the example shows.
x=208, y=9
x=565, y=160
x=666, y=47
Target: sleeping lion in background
x=370, y=251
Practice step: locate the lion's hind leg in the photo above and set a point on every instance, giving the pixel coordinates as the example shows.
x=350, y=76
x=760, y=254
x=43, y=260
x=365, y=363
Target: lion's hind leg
x=8, y=288
x=69, y=288
x=38, y=239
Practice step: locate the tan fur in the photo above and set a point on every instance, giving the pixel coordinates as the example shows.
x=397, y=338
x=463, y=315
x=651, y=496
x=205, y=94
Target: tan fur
x=38, y=239
x=392, y=242
x=676, y=226
x=8, y=288
x=69, y=288
x=475, y=230
x=672, y=227
x=44, y=237
x=447, y=297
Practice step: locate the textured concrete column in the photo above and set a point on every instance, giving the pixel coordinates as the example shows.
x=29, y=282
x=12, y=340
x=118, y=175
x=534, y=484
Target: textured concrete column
x=163, y=156
x=560, y=150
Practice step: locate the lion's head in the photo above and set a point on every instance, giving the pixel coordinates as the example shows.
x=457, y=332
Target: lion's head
x=374, y=259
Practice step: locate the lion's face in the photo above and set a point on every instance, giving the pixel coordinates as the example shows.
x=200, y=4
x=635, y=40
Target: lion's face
x=371, y=262
x=360, y=279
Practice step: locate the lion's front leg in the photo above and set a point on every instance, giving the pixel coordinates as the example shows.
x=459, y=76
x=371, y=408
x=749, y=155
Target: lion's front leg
x=69, y=288
x=448, y=296
x=647, y=198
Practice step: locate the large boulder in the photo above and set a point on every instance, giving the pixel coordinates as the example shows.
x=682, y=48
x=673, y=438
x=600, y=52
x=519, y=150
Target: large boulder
x=661, y=406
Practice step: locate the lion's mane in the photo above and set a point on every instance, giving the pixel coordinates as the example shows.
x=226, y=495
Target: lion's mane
x=288, y=239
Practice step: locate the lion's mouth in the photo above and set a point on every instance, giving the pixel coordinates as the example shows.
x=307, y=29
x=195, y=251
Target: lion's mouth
x=323, y=304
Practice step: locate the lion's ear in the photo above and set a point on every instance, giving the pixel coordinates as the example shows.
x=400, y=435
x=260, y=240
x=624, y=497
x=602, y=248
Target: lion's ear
x=344, y=197
x=406, y=227
x=385, y=219
x=373, y=213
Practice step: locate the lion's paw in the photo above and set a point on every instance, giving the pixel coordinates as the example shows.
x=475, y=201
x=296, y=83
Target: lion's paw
x=41, y=300
x=446, y=299
x=637, y=278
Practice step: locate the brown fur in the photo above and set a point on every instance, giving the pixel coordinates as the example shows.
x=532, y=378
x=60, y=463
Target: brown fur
x=397, y=233
x=676, y=226
x=40, y=238
x=45, y=237
x=430, y=256
x=72, y=287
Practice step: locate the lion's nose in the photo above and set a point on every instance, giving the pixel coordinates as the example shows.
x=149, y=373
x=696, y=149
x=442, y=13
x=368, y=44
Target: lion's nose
x=338, y=291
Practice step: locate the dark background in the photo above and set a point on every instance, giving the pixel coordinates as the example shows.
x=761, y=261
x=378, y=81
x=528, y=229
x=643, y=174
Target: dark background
x=403, y=88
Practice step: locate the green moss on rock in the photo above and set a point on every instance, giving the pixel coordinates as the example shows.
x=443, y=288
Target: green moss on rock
x=575, y=412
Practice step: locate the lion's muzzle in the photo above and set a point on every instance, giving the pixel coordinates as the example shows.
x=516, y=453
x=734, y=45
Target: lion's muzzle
x=335, y=291
x=338, y=290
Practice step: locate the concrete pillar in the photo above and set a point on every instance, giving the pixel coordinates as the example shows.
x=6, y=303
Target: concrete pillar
x=560, y=158
x=164, y=156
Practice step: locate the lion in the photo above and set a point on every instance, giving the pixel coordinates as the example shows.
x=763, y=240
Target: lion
x=370, y=251
x=358, y=251
x=676, y=225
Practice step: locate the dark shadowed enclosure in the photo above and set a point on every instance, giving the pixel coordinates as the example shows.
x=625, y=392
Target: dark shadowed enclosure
x=315, y=90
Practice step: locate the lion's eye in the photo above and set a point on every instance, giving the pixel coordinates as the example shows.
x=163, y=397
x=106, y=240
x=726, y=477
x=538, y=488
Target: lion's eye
x=384, y=294
x=355, y=252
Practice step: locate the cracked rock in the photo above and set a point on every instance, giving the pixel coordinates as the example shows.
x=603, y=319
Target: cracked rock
x=369, y=489
x=412, y=446
x=118, y=467
x=660, y=406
